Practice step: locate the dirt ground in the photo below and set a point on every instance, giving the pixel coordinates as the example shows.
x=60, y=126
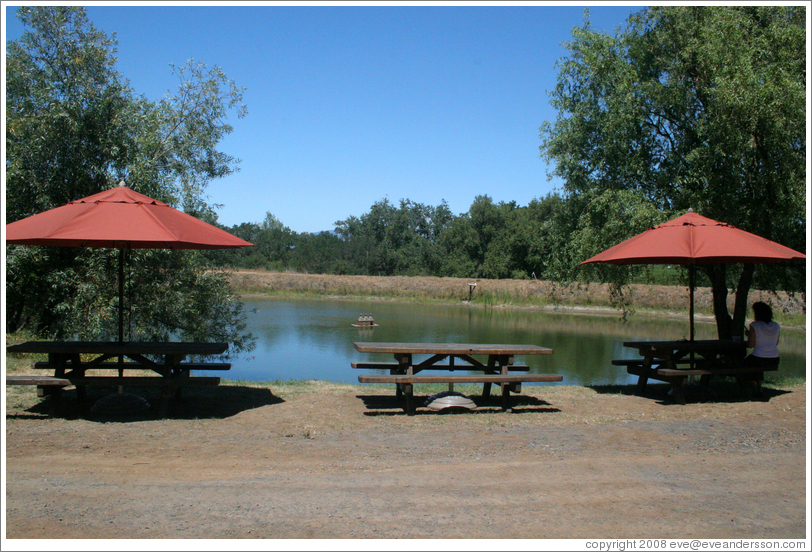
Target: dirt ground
x=331, y=461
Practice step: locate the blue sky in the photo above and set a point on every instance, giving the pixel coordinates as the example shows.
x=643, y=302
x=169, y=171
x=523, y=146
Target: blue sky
x=351, y=104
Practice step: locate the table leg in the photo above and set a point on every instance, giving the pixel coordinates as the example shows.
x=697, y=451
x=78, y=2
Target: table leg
x=81, y=390
x=486, y=387
x=56, y=401
x=408, y=389
x=751, y=384
x=404, y=361
x=166, y=396
x=504, y=368
x=173, y=369
x=398, y=391
x=643, y=378
x=121, y=373
x=61, y=362
x=677, y=385
x=506, y=398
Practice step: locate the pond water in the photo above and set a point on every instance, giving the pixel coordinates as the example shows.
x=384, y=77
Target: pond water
x=313, y=339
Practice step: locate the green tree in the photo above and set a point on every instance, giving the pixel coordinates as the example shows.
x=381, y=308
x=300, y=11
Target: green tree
x=74, y=128
x=538, y=236
x=485, y=242
x=356, y=242
x=391, y=239
x=322, y=253
x=700, y=107
x=274, y=242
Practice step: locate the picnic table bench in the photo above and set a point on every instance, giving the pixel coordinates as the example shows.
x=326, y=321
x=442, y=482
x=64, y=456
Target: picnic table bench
x=69, y=362
x=405, y=372
x=394, y=366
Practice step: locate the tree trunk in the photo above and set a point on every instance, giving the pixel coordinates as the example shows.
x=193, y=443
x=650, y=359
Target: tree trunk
x=717, y=276
x=726, y=326
x=742, y=294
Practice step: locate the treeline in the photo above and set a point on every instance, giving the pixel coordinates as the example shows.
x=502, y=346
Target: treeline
x=490, y=240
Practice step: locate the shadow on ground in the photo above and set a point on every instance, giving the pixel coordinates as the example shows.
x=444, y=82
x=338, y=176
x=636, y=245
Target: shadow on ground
x=714, y=392
x=141, y=403
x=390, y=405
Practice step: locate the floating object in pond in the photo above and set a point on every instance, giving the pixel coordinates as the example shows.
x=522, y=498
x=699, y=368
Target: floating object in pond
x=449, y=399
x=365, y=321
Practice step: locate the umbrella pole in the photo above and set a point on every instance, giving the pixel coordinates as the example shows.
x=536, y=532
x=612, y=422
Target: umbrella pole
x=691, y=284
x=120, y=295
x=121, y=313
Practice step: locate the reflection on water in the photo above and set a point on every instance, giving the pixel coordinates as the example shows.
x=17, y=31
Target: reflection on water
x=313, y=339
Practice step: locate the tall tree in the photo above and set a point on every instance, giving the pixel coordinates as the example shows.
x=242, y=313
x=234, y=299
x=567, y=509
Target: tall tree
x=74, y=128
x=392, y=240
x=700, y=107
x=485, y=242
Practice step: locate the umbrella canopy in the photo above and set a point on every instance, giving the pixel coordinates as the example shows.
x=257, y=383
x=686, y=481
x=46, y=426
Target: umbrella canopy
x=692, y=239
x=119, y=218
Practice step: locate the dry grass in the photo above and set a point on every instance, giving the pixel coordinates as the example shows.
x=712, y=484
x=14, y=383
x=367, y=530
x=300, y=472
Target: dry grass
x=516, y=293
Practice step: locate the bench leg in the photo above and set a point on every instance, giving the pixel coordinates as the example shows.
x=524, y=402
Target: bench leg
x=45, y=390
x=486, y=391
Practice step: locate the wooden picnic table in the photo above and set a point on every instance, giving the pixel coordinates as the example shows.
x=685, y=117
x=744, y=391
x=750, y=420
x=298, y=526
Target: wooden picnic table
x=675, y=361
x=499, y=367
x=70, y=360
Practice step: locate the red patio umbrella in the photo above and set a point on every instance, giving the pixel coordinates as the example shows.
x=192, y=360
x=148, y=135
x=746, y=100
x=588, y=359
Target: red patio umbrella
x=691, y=240
x=123, y=219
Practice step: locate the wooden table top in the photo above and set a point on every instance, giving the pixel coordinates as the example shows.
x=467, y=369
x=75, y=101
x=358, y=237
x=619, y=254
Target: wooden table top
x=119, y=348
x=685, y=345
x=451, y=348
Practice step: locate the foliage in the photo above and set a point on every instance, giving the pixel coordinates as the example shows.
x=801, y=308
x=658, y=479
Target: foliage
x=75, y=128
x=66, y=124
x=391, y=240
x=700, y=107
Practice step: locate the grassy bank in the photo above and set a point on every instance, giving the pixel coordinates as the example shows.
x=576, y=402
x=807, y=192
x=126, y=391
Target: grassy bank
x=644, y=299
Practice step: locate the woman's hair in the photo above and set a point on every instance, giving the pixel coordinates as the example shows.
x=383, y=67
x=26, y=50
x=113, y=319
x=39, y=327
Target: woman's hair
x=763, y=312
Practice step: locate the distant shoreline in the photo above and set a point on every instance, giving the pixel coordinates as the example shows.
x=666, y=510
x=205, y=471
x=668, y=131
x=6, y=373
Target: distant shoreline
x=592, y=298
